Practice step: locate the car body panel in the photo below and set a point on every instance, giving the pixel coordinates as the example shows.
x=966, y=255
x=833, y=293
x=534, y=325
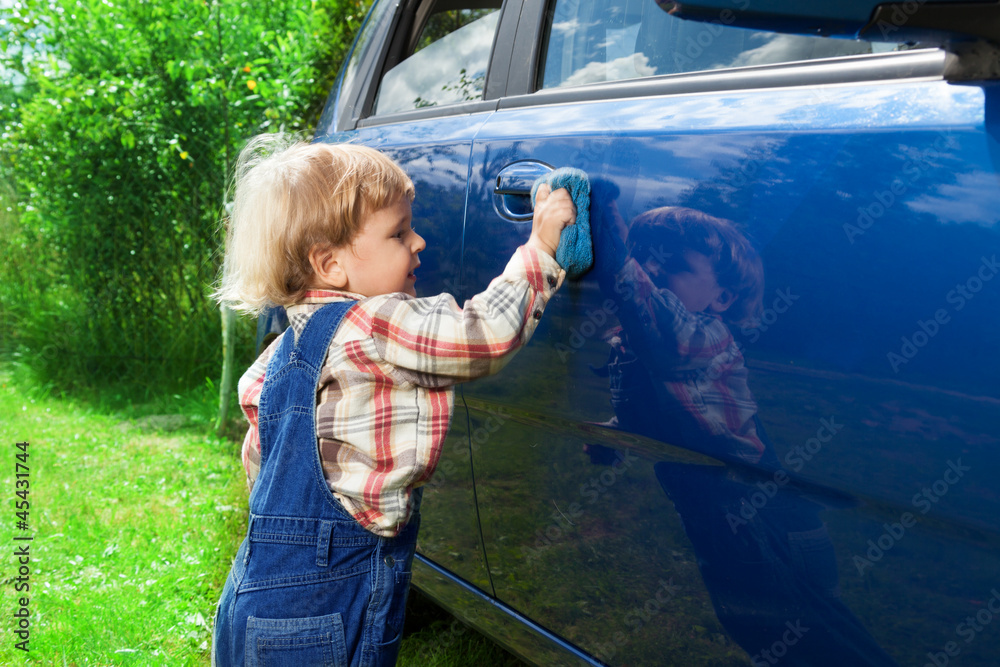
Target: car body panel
x=874, y=205
x=795, y=168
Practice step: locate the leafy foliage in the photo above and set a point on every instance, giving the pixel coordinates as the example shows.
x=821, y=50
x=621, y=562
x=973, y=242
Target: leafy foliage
x=119, y=131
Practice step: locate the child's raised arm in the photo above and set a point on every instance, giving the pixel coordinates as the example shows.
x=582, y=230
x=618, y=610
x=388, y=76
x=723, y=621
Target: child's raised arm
x=433, y=342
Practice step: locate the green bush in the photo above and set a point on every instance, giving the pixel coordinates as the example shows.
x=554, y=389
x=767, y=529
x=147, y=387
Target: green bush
x=120, y=127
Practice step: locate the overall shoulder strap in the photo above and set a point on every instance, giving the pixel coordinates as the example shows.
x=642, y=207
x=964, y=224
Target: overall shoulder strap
x=315, y=338
x=286, y=421
x=311, y=345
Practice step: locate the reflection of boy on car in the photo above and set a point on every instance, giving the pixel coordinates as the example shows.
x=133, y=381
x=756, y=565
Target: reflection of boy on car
x=677, y=375
x=684, y=271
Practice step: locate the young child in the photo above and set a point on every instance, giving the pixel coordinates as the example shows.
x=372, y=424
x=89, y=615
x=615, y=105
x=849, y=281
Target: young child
x=684, y=276
x=347, y=422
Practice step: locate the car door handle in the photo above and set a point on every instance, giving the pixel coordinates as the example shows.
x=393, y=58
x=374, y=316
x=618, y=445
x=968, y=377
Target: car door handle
x=512, y=189
x=517, y=178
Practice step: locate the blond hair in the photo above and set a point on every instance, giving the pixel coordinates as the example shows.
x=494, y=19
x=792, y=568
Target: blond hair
x=735, y=261
x=289, y=198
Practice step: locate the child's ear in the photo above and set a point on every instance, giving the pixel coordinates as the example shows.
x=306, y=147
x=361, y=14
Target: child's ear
x=328, y=269
x=722, y=302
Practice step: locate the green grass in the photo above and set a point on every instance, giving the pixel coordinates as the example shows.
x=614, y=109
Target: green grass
x=133, y=529
x=433, y=638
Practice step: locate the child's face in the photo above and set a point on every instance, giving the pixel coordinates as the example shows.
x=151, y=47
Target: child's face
x=383, y=256
x=696, y=286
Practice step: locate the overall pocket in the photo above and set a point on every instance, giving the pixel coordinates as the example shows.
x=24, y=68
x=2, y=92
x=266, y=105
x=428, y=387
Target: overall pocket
x=296, y=642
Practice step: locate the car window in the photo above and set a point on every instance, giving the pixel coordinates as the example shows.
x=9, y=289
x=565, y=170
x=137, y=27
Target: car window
x=447, y=64
x=609, y=40
x=362, y=49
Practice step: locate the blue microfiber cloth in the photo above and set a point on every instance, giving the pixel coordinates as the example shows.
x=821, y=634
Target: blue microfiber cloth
x=576, y=250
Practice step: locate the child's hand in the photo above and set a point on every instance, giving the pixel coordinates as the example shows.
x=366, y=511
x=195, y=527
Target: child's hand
x=553, y=212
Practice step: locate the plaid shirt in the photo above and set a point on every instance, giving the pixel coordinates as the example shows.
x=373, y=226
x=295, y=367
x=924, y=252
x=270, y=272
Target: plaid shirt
x=699, y=367
x=386, y=390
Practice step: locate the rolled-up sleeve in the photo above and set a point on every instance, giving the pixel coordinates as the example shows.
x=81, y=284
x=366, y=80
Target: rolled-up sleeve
x=433, y=342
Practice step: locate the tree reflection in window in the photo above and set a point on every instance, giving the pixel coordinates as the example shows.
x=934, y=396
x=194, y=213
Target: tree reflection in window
x=448, y=67
x=447, y=22
x=469, y=88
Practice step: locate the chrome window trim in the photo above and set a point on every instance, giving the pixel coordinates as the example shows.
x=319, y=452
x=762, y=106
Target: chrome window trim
x=463, y=109
x=921, y=64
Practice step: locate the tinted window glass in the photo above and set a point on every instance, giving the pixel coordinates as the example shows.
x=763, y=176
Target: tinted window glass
x=608, y=40
x=364, y=43
x=448, y=65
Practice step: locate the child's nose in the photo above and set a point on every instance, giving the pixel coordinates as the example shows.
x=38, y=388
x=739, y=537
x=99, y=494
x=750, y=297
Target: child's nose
x=419, y=243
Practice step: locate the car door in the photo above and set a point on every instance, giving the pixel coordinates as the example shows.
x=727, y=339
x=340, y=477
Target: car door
x=865, y=183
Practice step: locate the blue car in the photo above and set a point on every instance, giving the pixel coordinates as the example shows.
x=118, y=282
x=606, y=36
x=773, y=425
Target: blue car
x=764, y=428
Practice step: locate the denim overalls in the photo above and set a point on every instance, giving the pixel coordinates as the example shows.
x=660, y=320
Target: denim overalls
x=309, y=585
